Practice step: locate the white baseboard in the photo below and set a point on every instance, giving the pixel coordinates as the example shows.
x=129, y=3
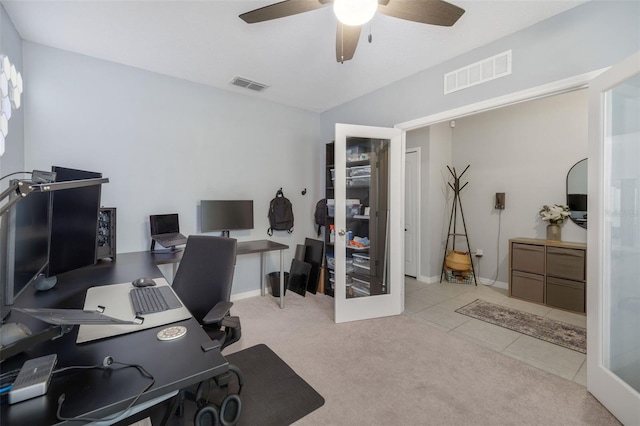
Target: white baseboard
x=245, y=295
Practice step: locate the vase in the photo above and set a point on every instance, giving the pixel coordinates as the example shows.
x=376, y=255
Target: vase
x=554, y=232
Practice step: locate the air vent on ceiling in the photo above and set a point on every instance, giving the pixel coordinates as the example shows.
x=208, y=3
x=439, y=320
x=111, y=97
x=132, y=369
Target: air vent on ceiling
x=248, y=84
x=480, y=72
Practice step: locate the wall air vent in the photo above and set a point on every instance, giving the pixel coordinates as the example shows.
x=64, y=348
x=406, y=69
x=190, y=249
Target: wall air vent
x=480, y=72
x=248, y=84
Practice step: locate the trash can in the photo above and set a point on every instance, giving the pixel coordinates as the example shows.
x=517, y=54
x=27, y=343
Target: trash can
x=274, y=280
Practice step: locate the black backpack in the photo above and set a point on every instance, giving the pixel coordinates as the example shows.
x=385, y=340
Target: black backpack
x=280, y=214
x=321, y=214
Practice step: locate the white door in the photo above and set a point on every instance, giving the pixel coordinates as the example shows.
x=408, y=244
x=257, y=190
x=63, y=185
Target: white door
x=369, y=222
x=613, y=289
x=411, y=228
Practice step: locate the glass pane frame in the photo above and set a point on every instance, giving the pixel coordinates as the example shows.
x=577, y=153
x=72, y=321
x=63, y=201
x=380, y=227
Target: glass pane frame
x=392, y=302
x=612, y=391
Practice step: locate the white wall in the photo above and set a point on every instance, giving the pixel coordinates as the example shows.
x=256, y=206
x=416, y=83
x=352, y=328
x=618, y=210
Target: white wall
x=435, y=197
x=13, y=158
x=166, y=143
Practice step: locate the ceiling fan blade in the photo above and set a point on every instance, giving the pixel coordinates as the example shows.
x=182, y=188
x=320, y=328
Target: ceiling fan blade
x=433, y=12
x=280, y=10
x=346, y=41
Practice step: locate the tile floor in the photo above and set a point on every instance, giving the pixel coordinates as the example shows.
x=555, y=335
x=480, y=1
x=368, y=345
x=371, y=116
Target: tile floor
x=435, y=304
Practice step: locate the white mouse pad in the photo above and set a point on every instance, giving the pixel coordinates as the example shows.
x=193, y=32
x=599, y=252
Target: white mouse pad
x=116, y=302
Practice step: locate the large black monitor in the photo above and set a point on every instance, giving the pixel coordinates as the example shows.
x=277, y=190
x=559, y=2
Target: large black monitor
x=226, y=215
x=24, y=255
x=74, y=223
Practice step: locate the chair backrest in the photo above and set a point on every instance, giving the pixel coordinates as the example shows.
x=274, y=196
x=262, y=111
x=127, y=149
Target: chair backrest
x=205, y=274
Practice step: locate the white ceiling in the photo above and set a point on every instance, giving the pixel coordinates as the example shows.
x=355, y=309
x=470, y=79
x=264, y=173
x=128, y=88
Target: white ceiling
x=206, y=42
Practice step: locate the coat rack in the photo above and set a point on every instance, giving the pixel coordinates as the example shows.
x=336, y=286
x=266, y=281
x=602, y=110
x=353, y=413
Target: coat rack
x=453, y=221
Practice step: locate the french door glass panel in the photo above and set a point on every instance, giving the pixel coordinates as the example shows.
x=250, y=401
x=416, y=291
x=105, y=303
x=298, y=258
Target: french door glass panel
x=369, y=212
x=613, y=289
x=622, y=230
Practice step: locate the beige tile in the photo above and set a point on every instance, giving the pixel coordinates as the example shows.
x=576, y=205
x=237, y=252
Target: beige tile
x=485, y=334
x=435, y=305
x=411, y=285
x=413, y=305
x=546, y=356
x=493, y=292
x=581, y=376
x=430, y=323
x=442, y=315
x=430, y=294
x=568, y=317
x=450, y=289
x=459, y=301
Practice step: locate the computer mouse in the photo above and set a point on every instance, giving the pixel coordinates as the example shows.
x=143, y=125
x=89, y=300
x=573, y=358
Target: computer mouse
x=143, y=282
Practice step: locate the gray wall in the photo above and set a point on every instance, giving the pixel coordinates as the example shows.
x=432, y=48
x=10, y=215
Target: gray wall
x=166, y=143
x=587, y=38
x=525, y=151
x=13, y=158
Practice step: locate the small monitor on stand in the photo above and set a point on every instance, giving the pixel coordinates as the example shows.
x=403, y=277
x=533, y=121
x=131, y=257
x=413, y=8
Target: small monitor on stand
x=165, y=230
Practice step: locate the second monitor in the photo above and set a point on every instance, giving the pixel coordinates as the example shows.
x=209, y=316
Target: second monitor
x=226, y=215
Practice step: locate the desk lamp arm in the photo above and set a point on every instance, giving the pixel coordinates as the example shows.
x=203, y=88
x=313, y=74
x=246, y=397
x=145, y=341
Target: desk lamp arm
x=24, y=188
x=19, y=187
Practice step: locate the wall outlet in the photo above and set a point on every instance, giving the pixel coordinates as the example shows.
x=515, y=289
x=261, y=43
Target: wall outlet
x=479, y=253
x=500, y=200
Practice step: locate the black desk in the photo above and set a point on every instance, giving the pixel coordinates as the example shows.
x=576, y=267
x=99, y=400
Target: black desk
x=97, y=393
x=243, y=247
x=262, y=247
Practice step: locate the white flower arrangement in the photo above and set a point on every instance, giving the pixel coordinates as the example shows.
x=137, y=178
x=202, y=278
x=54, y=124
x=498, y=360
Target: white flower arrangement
x=555, y=214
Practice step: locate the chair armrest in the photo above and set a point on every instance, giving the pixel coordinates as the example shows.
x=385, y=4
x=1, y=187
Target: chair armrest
x=217, y=313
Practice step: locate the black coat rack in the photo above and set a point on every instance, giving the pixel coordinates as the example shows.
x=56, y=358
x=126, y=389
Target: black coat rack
x=453, y=221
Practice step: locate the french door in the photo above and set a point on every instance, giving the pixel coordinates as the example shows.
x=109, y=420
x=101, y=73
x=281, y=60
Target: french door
x=613, y=290
x=369, y=222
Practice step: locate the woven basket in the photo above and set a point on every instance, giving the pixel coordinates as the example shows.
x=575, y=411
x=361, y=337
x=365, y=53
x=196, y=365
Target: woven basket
x=458, y=261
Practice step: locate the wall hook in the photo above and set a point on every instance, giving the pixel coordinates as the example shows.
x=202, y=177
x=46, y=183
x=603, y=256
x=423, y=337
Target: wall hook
x=304, y=191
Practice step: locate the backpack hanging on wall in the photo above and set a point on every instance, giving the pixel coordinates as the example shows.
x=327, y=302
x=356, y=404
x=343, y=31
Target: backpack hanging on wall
x=321, y=214
x=280, y=214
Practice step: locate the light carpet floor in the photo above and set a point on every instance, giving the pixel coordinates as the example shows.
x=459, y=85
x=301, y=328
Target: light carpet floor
x=399, y=371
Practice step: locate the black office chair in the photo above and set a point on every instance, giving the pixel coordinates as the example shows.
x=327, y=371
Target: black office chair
x=203, y=283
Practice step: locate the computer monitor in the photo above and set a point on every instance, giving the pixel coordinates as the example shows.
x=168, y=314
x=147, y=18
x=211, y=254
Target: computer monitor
x=24, y=255
x=226, y=215
x=74, y=223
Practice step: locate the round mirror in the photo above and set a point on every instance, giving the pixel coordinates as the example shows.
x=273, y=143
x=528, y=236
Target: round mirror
x=577, y=193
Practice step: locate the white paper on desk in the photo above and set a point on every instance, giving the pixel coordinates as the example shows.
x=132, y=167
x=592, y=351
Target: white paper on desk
x=115, y=299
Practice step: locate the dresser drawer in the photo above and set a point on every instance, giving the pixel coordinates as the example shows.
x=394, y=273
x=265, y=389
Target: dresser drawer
x=566, y=263
x=527, y=286
x=566, y=294
x=527, y=258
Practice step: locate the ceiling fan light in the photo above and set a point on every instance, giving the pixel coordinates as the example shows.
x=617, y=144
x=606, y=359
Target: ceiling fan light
x=355, y=12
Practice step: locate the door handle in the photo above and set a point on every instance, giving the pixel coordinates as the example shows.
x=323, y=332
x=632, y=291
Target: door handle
x=341, y=232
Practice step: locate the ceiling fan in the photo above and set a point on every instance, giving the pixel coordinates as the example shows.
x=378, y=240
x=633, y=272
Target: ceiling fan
x=352, y=14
